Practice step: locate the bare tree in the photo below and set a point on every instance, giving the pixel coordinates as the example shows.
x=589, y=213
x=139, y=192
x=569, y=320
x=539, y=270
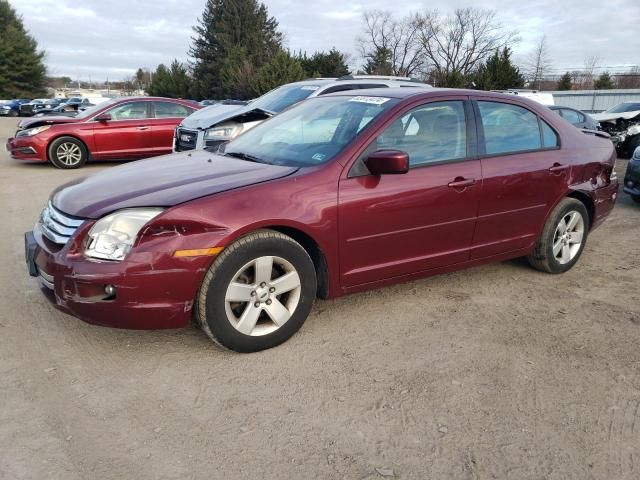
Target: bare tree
x=397, y=40
x=538, y=63
x=457, y=43
x=588, y=75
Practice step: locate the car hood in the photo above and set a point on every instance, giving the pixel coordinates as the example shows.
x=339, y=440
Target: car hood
x=48, y=120
x=215, y=114
x=161, y=182
x=606, y=117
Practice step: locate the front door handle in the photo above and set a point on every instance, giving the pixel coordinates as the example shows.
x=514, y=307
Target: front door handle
x=142, y=128
x=557, y=168
x=461, y=182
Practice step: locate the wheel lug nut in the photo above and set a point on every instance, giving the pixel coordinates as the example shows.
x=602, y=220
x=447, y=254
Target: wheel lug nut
x=272, y=289
x=263, y=284
x=257, y=304
x=268, y=302
x=253, y=294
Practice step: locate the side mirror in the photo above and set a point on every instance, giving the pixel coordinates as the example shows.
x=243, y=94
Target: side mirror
x=103, y=117
x=388, y=162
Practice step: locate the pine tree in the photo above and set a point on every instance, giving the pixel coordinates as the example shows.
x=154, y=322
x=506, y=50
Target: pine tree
x=22, y=71
x=283, y=68
x=324, y=64
x=498, y=73
x=604, y=82
x=565, y=82
x=379, y=63
x=171, y=82
x=229, y=34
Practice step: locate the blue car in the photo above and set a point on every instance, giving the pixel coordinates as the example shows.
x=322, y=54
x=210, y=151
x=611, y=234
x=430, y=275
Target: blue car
x=11, y=108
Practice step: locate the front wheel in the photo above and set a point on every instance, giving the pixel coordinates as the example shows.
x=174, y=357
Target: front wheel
x=68, y=152
x=562, y=239
x=635, y=198
x=257, y=293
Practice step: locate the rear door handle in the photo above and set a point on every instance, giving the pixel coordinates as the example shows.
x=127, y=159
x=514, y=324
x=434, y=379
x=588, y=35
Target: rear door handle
x=460, y=182
x=556, y=168
x=142, y=128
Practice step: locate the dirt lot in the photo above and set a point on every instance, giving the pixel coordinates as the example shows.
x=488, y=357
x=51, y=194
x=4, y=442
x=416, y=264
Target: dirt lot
x=494, y=372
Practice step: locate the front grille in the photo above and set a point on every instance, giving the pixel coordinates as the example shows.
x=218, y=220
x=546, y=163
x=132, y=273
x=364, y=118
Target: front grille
x=186, y=139
x=58, y=226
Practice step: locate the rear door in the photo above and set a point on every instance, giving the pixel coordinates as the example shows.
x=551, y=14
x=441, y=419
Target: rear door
x=395, y=225
x=127, y=134
x=166, y=117
x=524, y=172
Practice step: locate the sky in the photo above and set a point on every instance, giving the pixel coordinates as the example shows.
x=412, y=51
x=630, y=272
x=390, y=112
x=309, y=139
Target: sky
x=98, y=39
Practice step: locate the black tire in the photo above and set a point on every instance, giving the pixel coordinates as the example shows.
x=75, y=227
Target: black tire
x=542, y=257
x=13, y=113
x=60, y=146
x=636, y=198
x=211, y=309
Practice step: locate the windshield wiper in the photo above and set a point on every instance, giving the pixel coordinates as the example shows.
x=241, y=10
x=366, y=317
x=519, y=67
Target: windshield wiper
x=244, y=156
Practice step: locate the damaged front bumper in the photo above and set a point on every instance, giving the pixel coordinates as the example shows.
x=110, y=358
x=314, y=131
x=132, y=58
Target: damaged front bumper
x=141, y=292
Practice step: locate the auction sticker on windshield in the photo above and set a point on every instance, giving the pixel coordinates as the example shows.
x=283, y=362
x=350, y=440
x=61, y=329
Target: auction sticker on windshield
x=371, y=100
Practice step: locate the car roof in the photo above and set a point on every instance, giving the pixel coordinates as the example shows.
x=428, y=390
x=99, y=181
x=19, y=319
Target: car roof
x=406, y=92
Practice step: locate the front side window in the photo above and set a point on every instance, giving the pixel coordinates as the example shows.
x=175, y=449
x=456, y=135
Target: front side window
x=310, y=133
x=171, y=110
x=430, y=133
x=508, y=128
x=129, y=111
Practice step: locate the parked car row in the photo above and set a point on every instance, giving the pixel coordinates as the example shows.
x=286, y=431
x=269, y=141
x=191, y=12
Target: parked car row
x=342, y=192
x=25, y=107
x=123, y=129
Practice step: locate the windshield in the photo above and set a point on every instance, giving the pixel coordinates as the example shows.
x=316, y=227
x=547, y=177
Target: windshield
x=311, y=133
x=277, y=100
x=624, y=107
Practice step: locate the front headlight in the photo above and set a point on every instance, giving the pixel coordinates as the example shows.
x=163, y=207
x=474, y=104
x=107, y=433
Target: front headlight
x=633, y=130
x=223, y=132
x=112, y=236
x=30, y=132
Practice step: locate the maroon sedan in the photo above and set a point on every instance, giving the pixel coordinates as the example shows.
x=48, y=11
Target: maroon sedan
x=122, y=129
x=339, y=194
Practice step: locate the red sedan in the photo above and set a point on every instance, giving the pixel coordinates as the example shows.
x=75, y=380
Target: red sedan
x=339, y=194
x=122, y=129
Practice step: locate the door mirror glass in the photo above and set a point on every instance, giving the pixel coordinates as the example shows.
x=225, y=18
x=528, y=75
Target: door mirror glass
x=103, y=117
x=388, y=162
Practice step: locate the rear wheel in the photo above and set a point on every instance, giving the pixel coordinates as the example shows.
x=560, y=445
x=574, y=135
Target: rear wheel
x=562, y=239
x=257, y=293
x=635, y=198
x=68, y=152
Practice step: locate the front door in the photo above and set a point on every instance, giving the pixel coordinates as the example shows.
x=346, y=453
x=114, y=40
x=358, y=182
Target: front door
x=126, y=135
x=394, y=225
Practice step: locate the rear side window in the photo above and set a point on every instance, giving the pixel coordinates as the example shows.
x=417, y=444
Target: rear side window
x=549, y=136
x=508, y=128
x=171, y=110
x=430, y=133
x=572, y=116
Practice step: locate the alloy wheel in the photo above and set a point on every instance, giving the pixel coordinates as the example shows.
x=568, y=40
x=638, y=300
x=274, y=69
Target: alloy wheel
x=568, y=237
x=262, y=296
x=69, y=153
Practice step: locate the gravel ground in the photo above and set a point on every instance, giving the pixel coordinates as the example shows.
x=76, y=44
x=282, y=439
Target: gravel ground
x=494, y=372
